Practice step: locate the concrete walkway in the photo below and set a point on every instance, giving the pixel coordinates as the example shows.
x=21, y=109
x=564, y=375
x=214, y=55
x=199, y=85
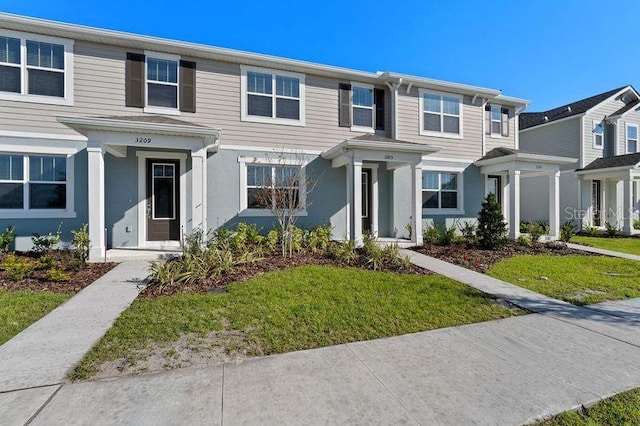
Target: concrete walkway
x=40, y=357
x=603, y=251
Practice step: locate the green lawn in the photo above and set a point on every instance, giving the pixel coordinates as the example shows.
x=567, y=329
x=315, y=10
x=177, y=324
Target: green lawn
x=621, y=409
x=624, y=245
x=581, y=280
x=19, y=309
x=300, y=308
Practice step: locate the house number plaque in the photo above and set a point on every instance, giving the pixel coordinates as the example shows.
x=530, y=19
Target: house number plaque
x=143, y=140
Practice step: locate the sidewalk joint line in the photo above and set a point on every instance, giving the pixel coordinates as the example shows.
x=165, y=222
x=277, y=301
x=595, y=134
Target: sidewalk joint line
x=39, y=410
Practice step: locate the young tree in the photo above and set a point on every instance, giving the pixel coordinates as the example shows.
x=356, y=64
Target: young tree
x=492, y=229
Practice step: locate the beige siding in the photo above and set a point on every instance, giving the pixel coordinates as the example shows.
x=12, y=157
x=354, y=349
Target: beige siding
x=597, y=114
x=99, y=90
x=561, y=139
x=469, y=147
x=632, y=117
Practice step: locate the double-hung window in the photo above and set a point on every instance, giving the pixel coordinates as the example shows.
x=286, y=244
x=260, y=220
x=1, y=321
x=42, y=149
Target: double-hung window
x=34, y=182
x=440, y=114
x=272, y=96
x=162, y=82
x=273, y=185
x=440, y=190
x=35, y=68
x=632, y=138
x=363, y=112
x=598, y=135
x=496, y=120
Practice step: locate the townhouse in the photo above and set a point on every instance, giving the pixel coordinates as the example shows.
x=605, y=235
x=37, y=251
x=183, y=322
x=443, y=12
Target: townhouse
x=146, y=139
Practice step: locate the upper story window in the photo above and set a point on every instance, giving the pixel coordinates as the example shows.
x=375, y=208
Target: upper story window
x=440, y=114
x=162, y=82
x=272, y=96
x=598, y=135
x=632, y=138
x=361, y=107
x=496, y=120
x=362, y=102
x=36, y=68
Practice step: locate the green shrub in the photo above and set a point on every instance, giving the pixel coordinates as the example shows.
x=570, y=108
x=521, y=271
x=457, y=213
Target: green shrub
x=17, y=268
x=221, y=238
x=58, y=275
x=636, y=224
x=81, y=242
x=492, y=229
x=447, y=235
x=591, y=231
x=409, y=228
x=611, y=229
x=524, y=240
x=431, y=235
x=44, y=262
x=567, y=231
x=7, y=238
x=535, y=231
x=318, y=239
x=468, y=230
x=271, y=240
x=43, y=243
x=344, y=252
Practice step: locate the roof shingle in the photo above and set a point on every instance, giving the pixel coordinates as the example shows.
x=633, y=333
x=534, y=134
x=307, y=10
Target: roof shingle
x=627, y=160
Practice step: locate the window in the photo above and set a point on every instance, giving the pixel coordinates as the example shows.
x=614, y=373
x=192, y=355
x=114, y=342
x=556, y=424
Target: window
x=598, y=135
x=362, y=106
x=496, y=120
x=441, y=114
x=162, y=83
x=33, y=182
x=35, y=68
x=269, y=185
x=632, y=139
x=272, y=97
x=440, y=190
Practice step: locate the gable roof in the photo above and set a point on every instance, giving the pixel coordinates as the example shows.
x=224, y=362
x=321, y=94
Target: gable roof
x=502, y=154
x=627, y=107
x=531, y=119
x=627, y=160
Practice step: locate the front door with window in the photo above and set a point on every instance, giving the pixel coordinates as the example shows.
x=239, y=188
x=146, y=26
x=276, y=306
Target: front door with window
x=163, y=193
x=596, y=202
x=494, y=186
x=366, y=200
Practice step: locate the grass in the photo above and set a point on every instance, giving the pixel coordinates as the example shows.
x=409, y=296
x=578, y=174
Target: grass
x=581, y=280
x=300, y=308
x=20, y=309
x=621, y=409
x=623, y=245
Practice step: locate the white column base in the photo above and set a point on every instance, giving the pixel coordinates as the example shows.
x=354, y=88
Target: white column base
x=416, y=204
x=95, y=180
x=554, y=205
x=514, y=204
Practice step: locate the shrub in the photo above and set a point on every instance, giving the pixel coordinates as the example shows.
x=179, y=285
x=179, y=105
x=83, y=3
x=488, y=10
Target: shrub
x=567, y=231
x=468, y=230
x=636, y=224
x=447, y=235
x=431, y=235
x=535, y=231
x=7, y=238
x=271, y=240
x=319, y=238
x=591, y=231
x=58, y=275
x=376, y=257
x=524, y=240
x=44, y=262
x=344, y=252
x=611, y=229
x=43, y=243
x=17, y=268
x=81, y=242
x=409, y=228
x=492, y=229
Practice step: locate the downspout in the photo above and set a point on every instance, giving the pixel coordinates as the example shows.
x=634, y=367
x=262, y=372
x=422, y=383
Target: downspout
x=484, y=125
x=393, y=88
x=517, y=125
x=210, y=144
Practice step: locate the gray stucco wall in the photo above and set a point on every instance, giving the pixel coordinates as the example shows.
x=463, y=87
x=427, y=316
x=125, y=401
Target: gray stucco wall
x=534, y=198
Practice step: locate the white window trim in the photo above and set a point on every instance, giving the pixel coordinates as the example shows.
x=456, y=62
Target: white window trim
x=23, y=96
x=460, y=190
x=26, y=213
x=491, y=121
x=244, y=104
x=626, y=138
x=593, y=132
x=244, y=211
x=440, y=134
x=363, y=129
x=155, y=109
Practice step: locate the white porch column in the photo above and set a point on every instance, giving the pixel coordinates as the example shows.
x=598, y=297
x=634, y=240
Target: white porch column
x=95, y=180
x=514, y=204
x=627, y=205
x=356, y=166
x=198, y=191
x=416, y=203
x=554, y=205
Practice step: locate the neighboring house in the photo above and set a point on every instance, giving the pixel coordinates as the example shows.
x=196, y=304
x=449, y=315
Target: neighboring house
x=601, y=132
x=146, y=139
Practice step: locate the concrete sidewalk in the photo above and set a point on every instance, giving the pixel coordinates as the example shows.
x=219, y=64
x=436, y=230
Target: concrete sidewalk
x=603, y=251
x=41, y=356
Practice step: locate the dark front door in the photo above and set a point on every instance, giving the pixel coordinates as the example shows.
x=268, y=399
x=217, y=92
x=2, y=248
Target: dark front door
x=494, y=186
x=596, y=202
x=163, y=193
x=366, y=200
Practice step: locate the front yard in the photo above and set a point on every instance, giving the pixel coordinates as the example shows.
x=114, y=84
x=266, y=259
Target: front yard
x=621, y=244
x=300, y=308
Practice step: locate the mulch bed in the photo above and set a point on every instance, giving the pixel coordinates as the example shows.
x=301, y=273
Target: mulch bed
x=271, y=262
x=38, y=281
x=480, y=260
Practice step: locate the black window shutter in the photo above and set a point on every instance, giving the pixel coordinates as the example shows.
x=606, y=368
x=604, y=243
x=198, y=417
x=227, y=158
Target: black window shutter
x=344, y=110
x=187, y=86
x=505, y=121
x=134, y=80
x=487, y=119
x=379, y=101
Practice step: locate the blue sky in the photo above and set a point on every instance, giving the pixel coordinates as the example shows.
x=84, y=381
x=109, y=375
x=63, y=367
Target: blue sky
x=550, y=52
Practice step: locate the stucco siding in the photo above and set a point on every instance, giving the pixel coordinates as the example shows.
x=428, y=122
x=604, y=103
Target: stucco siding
x=560, y=139
x=534, y=198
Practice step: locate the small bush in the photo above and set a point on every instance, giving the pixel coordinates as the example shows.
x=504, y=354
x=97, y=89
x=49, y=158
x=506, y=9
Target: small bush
x=611, y=229
x=81, y=242
x=448, y=235
x=58, y=275
x=319, y=238
x=591, y=231
x=344, y=252
x=535, y=231
x=431, y=235
x=7, y=238
x=44, y=262
x=17, y=268
x=43, y=243
x=636, y=224
x=524, y=240
x=409, y=228
x=567, y=231
x=468, y=230
x=492, y=229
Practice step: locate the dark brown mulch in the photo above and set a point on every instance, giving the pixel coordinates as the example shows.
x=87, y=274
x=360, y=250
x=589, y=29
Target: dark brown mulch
x=272, y=262
x=79, y=277
x=480, y=260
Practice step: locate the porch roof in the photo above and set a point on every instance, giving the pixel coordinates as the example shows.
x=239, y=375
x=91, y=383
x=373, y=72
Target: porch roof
x=617, y=162
x=505, y=155
x=378, y=143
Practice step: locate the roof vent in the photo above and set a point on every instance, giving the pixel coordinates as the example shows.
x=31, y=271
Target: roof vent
x=568, y=109
x=546, y=118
